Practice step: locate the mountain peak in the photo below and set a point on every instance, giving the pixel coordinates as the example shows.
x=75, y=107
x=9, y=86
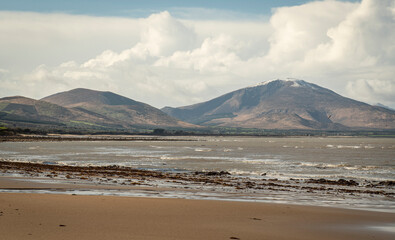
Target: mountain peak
x=291, y=82
x=18, y=99
x=80, y=96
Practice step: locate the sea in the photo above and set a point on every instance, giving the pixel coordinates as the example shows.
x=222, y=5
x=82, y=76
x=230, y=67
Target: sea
x=298, y=162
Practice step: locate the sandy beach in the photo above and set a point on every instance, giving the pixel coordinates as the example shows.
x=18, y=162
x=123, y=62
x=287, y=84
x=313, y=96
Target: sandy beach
x=52, y=216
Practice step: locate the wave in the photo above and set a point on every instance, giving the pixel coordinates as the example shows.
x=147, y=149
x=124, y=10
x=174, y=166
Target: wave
x=244, y=172
x=351, y=146
x=340, y=165
x=263, y=161
x=203, y=149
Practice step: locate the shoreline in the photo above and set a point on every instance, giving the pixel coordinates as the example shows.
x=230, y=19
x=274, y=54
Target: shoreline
x=18, y=185
x=148, y=137
x=90, y=138
x=127, y=181
x=49, y=216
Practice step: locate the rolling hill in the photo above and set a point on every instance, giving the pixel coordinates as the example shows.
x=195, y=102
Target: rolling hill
x=30, y=113
x=114, y=108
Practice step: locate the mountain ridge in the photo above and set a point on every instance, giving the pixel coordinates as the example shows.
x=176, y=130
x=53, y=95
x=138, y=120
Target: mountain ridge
x=84, y=109
x=126, y=111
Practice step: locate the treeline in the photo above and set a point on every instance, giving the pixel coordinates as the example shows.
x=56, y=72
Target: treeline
x=209, y=131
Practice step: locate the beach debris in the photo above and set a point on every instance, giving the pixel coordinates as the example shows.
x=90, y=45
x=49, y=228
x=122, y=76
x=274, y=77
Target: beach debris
x=121, y=175
x=341, y=181
x=212, y=173
x=386, y=183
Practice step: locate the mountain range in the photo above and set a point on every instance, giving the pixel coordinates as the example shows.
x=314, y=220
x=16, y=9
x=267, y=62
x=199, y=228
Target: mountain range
x=276, y=104
x=84, y=109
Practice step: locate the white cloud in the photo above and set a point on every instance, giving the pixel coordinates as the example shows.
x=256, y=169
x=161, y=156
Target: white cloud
x=365, y=90
x=163, y=35
x=214, y=55
x=29, y=39
x=363, y=38
x=348, y=47
x=299, y=29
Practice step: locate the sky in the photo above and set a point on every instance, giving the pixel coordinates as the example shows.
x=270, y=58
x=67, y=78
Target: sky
x=143, y=8
x=176, y=53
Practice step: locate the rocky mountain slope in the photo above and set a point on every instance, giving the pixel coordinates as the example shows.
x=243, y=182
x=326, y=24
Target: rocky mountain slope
x=286, y=104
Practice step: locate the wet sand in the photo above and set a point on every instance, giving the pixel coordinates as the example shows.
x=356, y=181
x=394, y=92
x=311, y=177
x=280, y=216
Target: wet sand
x=51, y=216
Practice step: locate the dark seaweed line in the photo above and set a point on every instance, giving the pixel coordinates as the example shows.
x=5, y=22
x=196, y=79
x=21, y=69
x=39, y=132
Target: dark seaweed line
x=222, y=178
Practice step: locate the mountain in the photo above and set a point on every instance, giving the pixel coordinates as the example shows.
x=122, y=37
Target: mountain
x=114, y=108
x=285, y=104
x=25, y=112
x=82, y=96
x=384, y=106
x=83, y=109
x=29, y=111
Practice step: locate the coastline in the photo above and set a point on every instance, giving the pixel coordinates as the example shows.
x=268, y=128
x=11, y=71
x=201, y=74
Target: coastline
x=169, y=137
x=89, y=138
x=75, y=215
x=49, y=200
x=114, y=180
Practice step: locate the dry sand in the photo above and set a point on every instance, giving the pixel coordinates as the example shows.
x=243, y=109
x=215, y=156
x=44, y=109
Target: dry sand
x=47, y=216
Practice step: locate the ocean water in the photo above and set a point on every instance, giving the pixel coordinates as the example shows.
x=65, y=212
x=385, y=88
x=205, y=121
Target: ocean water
x=364, y=160
x=283, y=158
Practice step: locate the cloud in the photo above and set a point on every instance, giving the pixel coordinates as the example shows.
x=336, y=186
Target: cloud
x=299, y=29
x=363, y=38
x=142, y=71
x=163, y=35
x=365, y=90
x=216, y=54
x=30, y=39
x=348, y=47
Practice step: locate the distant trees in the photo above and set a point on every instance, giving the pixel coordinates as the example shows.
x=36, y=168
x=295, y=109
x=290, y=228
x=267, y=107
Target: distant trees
x=159, y=131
